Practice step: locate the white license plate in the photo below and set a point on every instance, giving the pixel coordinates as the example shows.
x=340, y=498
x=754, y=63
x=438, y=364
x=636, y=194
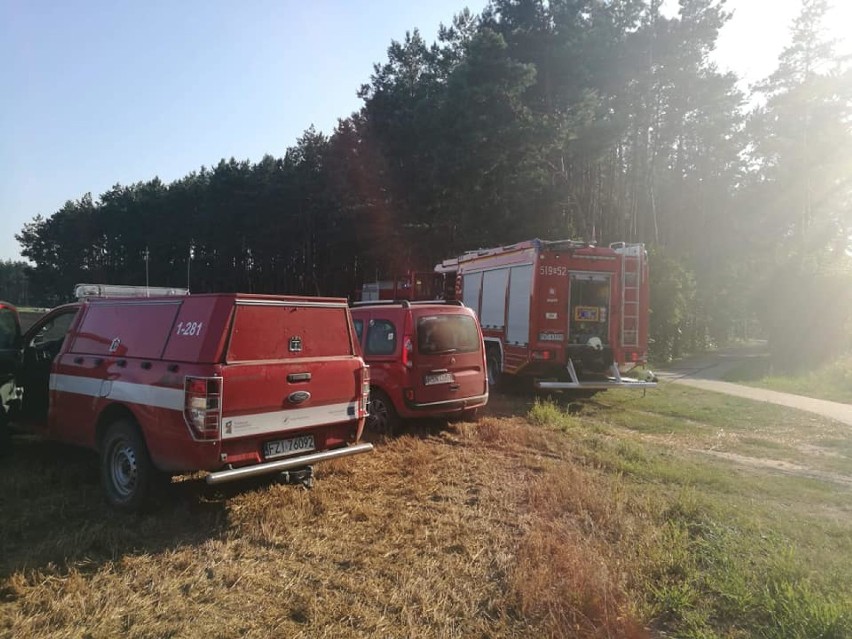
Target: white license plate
x=439, y=378
x=282, y=447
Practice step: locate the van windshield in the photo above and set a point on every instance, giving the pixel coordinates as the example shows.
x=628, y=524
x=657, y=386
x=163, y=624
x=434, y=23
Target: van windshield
x=451, y=333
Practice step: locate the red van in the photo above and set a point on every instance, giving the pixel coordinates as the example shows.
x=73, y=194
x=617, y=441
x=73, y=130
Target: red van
x=237, y=385
x=426, y=359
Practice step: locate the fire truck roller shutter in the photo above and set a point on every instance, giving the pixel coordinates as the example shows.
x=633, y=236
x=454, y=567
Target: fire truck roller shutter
x=494, y=285
x=471, y=288
x=518, y=321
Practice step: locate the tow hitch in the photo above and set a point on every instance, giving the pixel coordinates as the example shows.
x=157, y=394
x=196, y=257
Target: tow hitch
x=301, y=476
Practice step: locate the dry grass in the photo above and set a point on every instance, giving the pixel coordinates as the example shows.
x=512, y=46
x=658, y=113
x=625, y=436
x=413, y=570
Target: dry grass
x=491, y=529
x=476, y=530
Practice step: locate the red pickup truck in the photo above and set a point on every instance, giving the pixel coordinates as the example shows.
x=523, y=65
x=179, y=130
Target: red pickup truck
x=237, y=385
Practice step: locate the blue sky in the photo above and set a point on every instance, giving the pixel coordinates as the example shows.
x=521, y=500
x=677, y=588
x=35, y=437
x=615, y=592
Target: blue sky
x=98, y=93
x=102, y=92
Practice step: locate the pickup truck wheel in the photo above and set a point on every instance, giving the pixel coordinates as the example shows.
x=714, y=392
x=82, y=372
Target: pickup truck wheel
x=383, y=419
x=5, y=433
x=126, y=470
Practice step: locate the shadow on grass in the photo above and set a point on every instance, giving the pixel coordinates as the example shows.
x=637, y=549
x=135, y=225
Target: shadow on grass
x=502, y=404
x=53, y=516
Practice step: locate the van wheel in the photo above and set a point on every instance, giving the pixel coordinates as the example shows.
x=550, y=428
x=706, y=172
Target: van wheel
x=383, y=419
x=493, y=369
x=127, y=473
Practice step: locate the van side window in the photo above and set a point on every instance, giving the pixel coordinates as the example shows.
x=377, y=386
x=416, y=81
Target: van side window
x=381, y=338
x=49, y=338
x=359, y=328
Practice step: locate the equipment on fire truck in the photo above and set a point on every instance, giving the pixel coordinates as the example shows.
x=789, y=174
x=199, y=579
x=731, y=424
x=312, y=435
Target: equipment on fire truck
x=414, y=285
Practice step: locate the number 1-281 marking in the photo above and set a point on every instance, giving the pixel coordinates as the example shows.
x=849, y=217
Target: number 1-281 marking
x=189, y=329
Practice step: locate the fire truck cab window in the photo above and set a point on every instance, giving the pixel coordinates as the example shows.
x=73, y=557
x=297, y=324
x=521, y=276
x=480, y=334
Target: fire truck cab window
x=359, y=328
x=381, y=338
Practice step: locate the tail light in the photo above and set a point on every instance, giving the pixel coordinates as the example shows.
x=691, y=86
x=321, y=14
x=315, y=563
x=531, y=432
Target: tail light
x=407, y=349
x=202, y=408
x=407, y=343
x=365, y=392
x=542, y=355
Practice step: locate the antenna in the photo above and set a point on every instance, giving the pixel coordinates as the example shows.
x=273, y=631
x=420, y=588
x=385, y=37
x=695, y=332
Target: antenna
x=146, y=254
x=188, y=262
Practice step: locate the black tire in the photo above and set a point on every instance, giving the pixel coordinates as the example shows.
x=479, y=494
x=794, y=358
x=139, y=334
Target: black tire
x=127, y=474
x=383, y=419
x=492, y=363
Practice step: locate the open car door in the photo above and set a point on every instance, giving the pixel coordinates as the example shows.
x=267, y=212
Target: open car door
x=10, y=349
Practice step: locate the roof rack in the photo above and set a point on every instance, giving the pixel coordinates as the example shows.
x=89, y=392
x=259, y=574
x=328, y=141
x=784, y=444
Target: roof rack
x=89, y=291
x=448, y=302
x=404, y=303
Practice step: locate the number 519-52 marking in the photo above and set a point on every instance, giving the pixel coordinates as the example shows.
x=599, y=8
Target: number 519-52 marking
x=189, y=329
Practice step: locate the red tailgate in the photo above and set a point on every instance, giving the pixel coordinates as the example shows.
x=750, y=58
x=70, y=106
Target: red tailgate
x=290, y=368
x=449, y=362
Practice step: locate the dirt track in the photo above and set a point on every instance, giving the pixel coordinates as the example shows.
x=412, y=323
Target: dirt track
x=703, y=371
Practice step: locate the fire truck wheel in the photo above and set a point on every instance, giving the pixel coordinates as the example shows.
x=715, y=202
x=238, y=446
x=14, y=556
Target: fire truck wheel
x=383, y=419
x=126, y=470
x=493, y=364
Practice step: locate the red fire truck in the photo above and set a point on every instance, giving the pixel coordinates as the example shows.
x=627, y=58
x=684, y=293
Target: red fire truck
x=414, y=285
x=565, y=314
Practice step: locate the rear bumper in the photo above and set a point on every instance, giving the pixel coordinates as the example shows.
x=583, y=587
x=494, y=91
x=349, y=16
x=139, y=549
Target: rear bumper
x=610, y=382
x=615, y=380
x=233, y=474
x=449, y=405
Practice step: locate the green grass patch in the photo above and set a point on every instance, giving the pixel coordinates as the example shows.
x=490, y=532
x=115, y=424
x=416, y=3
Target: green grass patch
x=700, y=410
x=700, y=420
x=545, y=412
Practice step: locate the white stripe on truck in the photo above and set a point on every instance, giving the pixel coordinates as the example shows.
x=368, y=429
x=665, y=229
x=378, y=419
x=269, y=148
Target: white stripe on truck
x=145, y=394
x=263, y=423
x=173, y=399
